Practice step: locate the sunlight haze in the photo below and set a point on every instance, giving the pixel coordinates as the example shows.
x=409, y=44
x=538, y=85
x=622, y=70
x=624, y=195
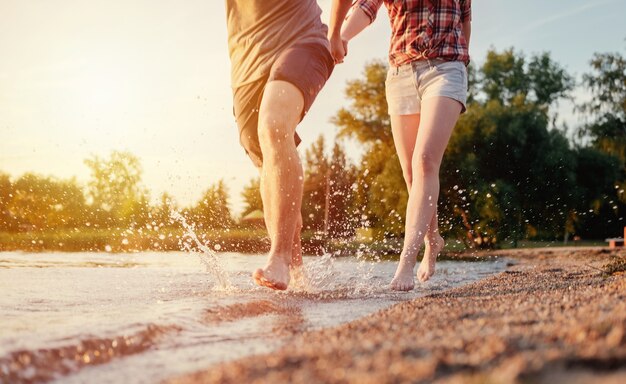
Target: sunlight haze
x=79, y=79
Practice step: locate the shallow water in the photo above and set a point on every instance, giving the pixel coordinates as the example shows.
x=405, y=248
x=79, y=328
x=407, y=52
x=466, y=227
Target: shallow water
x=144, y=317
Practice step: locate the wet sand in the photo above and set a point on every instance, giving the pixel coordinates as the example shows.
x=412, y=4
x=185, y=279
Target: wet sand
x=555, y=315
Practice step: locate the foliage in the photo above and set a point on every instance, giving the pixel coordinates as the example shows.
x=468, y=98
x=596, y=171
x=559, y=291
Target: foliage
x=252, y=197
x=607, y=107
x=328, y=191
x=38, y=203
x=505, y=77
x=508, y=173
x=212, y=210
x=115, y=190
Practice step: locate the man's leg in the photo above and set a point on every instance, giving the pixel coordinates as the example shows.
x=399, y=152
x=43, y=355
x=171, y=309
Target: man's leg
x=282, y=178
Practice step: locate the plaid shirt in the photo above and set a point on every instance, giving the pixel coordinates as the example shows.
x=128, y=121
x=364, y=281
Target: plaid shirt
x=424, y=29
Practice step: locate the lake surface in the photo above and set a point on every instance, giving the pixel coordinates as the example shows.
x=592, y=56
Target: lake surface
x=144, y=317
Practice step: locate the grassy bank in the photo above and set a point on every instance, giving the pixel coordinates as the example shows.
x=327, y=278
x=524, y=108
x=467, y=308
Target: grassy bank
x=234, y=240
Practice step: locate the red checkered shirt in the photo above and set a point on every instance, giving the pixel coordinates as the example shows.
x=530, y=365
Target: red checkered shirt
x=424, y=29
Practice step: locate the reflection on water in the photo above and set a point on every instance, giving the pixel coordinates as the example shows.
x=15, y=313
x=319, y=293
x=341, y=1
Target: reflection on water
x=147, y=316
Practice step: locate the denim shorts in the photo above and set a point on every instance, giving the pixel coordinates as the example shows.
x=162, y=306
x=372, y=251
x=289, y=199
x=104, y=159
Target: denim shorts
x=406, y=86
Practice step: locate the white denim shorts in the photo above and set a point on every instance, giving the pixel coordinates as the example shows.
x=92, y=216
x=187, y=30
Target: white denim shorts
x=406, y=86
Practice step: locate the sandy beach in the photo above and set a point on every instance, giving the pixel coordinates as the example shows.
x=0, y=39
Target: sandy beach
x=555, y=315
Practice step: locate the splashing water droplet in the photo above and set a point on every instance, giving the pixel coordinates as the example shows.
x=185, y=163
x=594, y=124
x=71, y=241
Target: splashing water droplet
x=207, y=256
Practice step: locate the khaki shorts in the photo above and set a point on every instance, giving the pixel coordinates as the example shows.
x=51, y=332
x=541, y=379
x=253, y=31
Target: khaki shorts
x=307, y=66
x=406, y=86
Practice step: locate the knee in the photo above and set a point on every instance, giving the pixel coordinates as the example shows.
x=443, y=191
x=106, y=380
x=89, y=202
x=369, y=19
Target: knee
x=299, y=224
x=408, y=177
x=251, y=145
x=274, y=132
x=425, y=164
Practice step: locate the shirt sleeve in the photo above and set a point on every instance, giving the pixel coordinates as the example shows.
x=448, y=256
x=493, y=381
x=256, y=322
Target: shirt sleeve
x=466, y=10
x=370, y=7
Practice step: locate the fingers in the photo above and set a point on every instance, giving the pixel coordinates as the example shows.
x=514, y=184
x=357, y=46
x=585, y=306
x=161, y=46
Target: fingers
x=339, y=50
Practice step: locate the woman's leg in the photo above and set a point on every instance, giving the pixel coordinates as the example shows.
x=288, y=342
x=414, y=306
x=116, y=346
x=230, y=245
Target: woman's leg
x=437, y=119
x=405, y=128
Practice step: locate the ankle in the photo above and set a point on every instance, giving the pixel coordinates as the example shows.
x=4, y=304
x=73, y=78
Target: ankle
x=275, y=257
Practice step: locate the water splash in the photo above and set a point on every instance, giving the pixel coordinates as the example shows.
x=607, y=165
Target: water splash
x=317, y=275
x=192, y=244
x=320, y=275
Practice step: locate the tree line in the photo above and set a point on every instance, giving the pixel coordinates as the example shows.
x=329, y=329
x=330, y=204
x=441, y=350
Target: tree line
x=511, y=171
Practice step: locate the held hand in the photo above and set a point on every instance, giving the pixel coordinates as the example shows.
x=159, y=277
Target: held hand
x=338, y=49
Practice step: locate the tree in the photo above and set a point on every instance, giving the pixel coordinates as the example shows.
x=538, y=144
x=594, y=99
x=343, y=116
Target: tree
x=316, y=175
x=607, y=108
x=603, y=165
x=115, y=190
x=505, y=76
x=328, y=191
x=506, y=175
x=7, y=221
x=42, y=203
x=252, y=196
x=341, y=220
x=367, y=121
x=212, y=211
x=607, y=83
x=162, y=213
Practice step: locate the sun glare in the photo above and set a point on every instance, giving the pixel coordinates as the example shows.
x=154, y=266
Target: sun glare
x=101, y=89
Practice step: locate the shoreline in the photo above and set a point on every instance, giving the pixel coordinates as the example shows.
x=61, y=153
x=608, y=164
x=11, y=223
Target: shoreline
x=555, y=315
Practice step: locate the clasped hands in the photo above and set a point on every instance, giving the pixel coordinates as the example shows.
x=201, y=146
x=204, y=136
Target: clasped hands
x=338, y=48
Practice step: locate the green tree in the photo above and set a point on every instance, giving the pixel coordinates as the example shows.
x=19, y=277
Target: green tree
x=316, y=175
x=607, y=109
x=162, y=213
x=252, y=196
x=506, y=175
x=603, y=160
x=7, y=221
x=380, y=187
x=341, y=219
x=506, y=76
x=367, y=119
x=212, y=211
x=43, y=203
x=117, y=196
x=328, y=190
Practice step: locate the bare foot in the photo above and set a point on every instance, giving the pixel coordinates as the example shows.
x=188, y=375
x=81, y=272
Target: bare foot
x=275, y=275
x=427, y=266
x=403, y=279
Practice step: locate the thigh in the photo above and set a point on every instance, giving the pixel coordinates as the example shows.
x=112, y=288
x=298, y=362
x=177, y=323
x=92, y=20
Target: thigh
x=404, y=129
x=438, y=117
x=281, y=108
x=306, y=66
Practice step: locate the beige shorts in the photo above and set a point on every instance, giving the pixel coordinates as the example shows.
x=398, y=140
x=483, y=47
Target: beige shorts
x=406, y=86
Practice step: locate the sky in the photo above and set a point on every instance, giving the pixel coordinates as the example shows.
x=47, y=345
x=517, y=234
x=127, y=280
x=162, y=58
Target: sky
x=83, y=78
